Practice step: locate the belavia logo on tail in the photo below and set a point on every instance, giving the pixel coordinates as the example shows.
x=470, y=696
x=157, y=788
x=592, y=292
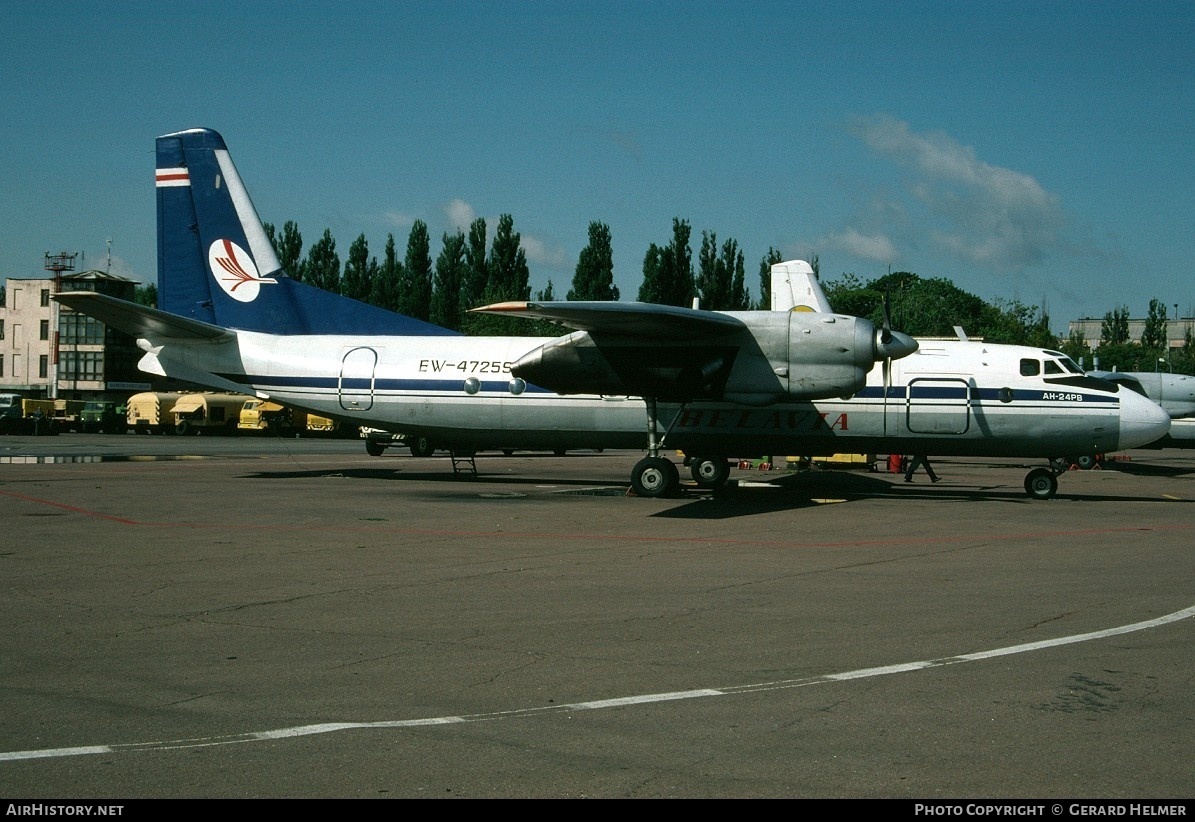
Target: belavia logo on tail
x=235, y=271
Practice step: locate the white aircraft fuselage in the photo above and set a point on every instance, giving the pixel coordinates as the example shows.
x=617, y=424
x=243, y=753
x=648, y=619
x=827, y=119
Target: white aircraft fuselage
x=948, y=398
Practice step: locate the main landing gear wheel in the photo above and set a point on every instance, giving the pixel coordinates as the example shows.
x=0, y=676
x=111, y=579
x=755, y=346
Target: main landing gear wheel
x=710, y=472
x=655, y=477
x=421, y=447
x=1040, y=483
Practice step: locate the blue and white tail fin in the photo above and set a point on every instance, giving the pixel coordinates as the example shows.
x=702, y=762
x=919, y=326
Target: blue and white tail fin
x=216, y=264
x=795, y=288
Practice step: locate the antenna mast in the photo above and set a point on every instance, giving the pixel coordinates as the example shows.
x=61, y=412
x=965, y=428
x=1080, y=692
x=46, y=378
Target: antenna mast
x=57, y=263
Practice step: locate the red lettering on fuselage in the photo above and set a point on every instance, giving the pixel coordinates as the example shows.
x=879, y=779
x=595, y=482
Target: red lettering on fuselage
x=721, y=418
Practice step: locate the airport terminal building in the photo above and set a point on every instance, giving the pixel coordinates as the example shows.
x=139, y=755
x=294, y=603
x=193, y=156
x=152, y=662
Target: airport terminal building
x=47, y=350
x=1090, y=329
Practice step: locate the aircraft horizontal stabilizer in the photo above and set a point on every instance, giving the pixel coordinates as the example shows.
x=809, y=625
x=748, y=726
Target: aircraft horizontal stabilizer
x=139, y=320
x=643, y=320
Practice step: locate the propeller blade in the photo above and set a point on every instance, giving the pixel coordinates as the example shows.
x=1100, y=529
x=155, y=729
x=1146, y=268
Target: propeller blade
x=892, y=344
x=887, y=385
x=886, y=329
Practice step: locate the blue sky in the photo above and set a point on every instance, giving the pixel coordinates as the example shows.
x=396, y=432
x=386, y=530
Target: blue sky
x=1034, y=151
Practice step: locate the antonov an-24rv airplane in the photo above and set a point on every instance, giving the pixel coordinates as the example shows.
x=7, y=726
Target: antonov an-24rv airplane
x=716, y=385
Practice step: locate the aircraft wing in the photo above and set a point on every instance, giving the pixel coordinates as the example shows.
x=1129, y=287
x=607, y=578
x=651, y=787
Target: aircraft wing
x=643, y=320
x=139, y=320
x=684, y=354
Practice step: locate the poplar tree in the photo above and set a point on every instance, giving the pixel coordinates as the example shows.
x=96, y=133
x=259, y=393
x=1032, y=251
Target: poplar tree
x=322, y=267
x=594, y=276
x=288, y=247
x=387, y=280
x=668, y=271
x=451, y=270
x=713, y=282
x=732, y=258
x=508, y=277
x=1153, y=336
x=1114, y=330
x=649, y=289
x=357, y=281
x=765, y=278
x=415, y=296
x=720, y=279
x=476, y=278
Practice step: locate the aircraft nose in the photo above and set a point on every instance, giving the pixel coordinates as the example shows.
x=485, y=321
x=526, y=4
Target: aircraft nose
x=1142, y=420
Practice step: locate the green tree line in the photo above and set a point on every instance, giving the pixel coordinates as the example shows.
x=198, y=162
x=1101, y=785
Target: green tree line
x=473, y=269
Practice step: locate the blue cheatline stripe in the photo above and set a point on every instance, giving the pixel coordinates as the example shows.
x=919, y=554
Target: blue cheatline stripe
x=1020, y=395
x=1021, y=399
x=265, y=383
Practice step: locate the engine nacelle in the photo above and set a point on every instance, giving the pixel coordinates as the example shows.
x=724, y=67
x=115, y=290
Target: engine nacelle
x=777, y=356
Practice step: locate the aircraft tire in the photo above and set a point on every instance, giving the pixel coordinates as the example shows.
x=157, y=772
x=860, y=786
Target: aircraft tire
x=710, y=472
x=654, y=477
x=421, y=447
x=375, y=448
x=1086, y=462
x=1040, y=483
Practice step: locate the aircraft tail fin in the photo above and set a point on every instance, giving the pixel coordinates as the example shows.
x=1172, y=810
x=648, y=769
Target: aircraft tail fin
x=795, y=288
x=217, y=265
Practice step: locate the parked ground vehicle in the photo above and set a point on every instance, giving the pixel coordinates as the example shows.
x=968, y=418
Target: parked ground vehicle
x=10, y=413
x=265, y=416
x=104, y=417
x=67, y=414
x=259, y=415
x=19, y=415
x=208, y=413
x=327, y=427
x=39, y=417
x=149, y=412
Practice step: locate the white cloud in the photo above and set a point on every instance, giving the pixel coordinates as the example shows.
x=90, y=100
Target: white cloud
x=875, y=247
x=398, y=219
x=122, y=268
x=976, y=211
x=460, y=215
x=539, y=253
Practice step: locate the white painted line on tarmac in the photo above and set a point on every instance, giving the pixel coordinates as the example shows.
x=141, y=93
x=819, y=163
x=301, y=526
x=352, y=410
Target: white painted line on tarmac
x=601, y=704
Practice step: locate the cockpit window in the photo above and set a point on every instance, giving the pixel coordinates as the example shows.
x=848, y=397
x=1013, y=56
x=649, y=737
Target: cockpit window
x=1070, y=365
x=1030, y=368
x=1053, y=367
